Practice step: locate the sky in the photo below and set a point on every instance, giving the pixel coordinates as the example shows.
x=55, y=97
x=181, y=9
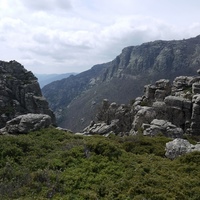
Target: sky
x=63, y=36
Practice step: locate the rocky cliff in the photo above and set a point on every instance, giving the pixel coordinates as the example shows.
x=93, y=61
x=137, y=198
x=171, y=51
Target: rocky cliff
x=75, y=99
x=20, y=93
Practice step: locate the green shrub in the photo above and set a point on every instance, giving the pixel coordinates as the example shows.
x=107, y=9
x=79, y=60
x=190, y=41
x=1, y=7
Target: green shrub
x=52, y=164
x=140, y=144
x=190, y=158
x=105, y=148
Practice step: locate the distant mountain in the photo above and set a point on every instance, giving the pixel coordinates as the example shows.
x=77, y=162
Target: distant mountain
x=45, y=79
x=76, y=98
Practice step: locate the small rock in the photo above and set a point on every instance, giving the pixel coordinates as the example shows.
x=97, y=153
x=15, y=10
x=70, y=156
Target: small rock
x=179, y=147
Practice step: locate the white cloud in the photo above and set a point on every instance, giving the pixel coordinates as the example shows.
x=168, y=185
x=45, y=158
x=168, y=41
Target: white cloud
x=46, y=5
x=62, y=36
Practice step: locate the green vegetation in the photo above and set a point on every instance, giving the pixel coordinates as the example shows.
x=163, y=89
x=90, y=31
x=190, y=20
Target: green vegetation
x=9, y=77
x=7, y=110
x=187, y=89
x=51, y=164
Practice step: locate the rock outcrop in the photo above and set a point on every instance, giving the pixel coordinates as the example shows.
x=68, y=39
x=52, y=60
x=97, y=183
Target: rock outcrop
x=170, y=109
x=180, y=105
x=179, y=147
x=111, y=118
x=100, y=128
x=162, y=127
x=20, y=93
x=26, y=123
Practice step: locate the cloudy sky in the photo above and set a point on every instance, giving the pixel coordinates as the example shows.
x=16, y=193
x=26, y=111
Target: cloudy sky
x=59, y=36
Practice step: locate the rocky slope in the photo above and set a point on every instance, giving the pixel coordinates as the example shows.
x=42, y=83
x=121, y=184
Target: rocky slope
x=20, y=93
x=75, y=99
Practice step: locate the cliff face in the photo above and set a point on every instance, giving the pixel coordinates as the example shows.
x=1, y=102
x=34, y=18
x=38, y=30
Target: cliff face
x=20, y=93
x=75, y=99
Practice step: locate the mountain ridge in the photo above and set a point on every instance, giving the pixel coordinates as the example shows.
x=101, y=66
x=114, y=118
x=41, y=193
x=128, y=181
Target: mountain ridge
x=121, y=79
x=45, y=79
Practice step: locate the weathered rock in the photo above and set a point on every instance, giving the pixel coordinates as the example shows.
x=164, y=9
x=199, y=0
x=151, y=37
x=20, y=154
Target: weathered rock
x=138, y=99
x=26, y=123
x=160, y=109
x=181, y=110
x=178, y=110
x=178, y=102
x=195, y=118
x=196, y=88
x=144, y=115
x=162, y=127
x=163, y=84
x=157, y=92
x=100, y=128
x=181, y=82
x=179, y=147
x=136, y=103
x=149, y=92
x=160, y=95
x=64, y=129
x=193, y=79
x=20, y=93
x=163, y=88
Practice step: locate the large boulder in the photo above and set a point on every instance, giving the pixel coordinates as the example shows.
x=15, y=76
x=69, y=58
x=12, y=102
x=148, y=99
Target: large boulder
x=144, y=115
x=157, y=92
x=149, y=92
x=182, y=82
x=163, y=88
x=196, y=88
x=178, y=102
x=100, y=128
x=179, y=147
x=195, y=125
x=178, y=110
x=163, y=127
x=26, y=123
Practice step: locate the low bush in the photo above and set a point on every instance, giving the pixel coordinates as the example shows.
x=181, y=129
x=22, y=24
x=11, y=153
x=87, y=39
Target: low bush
x=52, y=164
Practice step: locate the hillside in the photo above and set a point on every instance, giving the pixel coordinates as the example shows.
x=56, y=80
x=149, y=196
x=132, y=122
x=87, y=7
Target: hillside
x=76, y=99
x=127, y=153
x=52, y=164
